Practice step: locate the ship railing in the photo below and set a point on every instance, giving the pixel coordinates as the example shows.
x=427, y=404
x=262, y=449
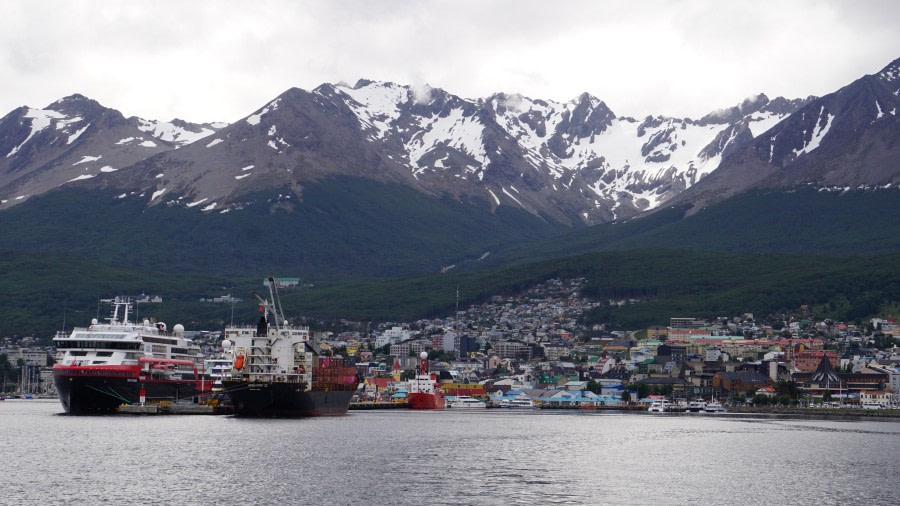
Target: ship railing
x=65, y=334
x=270, y=377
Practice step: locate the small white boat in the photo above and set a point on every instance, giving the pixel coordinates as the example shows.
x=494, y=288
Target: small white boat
x=714, y=407
x=659, y=406
x=466, y=402
x=517, y=404
x=696, y=406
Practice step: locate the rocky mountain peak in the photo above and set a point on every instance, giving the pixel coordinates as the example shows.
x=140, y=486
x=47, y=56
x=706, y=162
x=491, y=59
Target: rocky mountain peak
x=79, y=105
x=562, y=161
x=891, y=72
x=732, y=114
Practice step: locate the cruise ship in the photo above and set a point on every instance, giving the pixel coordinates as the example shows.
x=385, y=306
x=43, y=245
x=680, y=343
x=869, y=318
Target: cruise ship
x=103, y=366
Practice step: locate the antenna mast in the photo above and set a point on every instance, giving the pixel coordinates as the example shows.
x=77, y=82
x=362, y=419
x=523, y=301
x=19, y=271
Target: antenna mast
x=277, y=299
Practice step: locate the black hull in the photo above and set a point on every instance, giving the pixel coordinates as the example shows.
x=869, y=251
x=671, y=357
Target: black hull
x=285, y=400
x=84, y=395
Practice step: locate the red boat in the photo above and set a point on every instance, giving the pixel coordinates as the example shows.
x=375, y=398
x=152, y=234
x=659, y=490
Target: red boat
x=424, y=392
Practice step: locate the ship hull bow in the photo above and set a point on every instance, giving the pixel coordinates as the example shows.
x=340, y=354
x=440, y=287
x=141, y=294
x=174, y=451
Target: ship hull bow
x=425, y=401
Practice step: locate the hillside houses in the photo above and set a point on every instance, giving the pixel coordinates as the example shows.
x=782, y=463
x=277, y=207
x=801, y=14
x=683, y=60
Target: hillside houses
x=534, y=340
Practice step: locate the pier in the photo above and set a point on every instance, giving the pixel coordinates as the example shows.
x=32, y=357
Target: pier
x=378, y=405
x=175, y=408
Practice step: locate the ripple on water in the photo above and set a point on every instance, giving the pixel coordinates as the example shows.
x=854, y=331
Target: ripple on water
x=402, y=457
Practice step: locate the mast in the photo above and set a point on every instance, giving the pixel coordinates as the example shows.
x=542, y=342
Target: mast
x=277, y=299
x=127, y=305
x=272, y=304
x=456, y=315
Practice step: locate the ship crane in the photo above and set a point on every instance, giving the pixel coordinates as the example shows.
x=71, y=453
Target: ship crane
x=273, y=305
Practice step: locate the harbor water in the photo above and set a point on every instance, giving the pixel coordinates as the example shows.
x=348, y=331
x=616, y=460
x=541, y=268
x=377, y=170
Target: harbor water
x=491, y=456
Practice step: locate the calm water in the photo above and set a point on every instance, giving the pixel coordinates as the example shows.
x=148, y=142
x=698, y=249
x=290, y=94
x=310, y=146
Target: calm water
x=403, y=457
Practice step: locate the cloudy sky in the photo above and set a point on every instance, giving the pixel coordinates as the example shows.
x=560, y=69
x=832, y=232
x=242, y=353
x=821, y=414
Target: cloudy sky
x=221, y=60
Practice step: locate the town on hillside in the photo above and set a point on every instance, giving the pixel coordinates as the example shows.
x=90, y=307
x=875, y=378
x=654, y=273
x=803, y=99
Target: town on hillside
x=534, y=346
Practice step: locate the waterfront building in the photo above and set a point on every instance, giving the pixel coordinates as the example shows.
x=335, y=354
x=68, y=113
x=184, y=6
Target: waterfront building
x=808, y=360
x=740, y=382
x=892, y=370
x=881, y=397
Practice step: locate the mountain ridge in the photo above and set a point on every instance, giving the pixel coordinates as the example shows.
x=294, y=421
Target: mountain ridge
x=76, y=138
x=849, y=138
x=572, y=162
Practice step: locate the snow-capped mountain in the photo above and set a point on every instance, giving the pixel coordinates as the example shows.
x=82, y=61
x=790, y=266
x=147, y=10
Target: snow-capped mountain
x=75, y=139
x=843, y=140
x=572, y=161
x=569, y=162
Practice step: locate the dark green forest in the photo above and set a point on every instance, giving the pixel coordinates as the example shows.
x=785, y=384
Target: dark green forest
x=342, y=229
x=664, y=283
x=369, y=251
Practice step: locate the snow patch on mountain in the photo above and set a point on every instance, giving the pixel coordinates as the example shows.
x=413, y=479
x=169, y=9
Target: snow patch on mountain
x=890, y=74
x=761, y=122
x=255, y=118
x=376, y=105
x=273, y=130
x=81, y=177
x=462, y=133
x=817, y=134
x=40, y=119
x=88, y=158
x=73, y=137
x=63, y=123
x=214, y=142
x=170, y=132
x=196, y=203
x=629, y=167
x=510, y=195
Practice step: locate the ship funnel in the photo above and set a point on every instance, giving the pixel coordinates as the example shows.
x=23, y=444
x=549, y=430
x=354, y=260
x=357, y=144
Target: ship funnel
x=262, y=328
x=423, y=364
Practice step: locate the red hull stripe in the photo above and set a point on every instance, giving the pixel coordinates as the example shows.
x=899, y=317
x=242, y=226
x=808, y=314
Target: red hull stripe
x=112, y=371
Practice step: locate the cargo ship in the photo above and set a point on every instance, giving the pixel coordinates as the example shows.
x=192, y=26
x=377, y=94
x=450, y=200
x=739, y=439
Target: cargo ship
x=424, y=392
x=278, y=371
x=106, y=365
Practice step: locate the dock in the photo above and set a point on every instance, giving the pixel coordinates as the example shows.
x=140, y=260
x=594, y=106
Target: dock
x=378, y=405
x=575, y=407
x=175, y=408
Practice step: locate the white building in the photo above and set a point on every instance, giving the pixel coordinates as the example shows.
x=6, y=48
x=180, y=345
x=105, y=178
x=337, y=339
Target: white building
x=448, y=342
x=893, y=385
x=392, y=336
